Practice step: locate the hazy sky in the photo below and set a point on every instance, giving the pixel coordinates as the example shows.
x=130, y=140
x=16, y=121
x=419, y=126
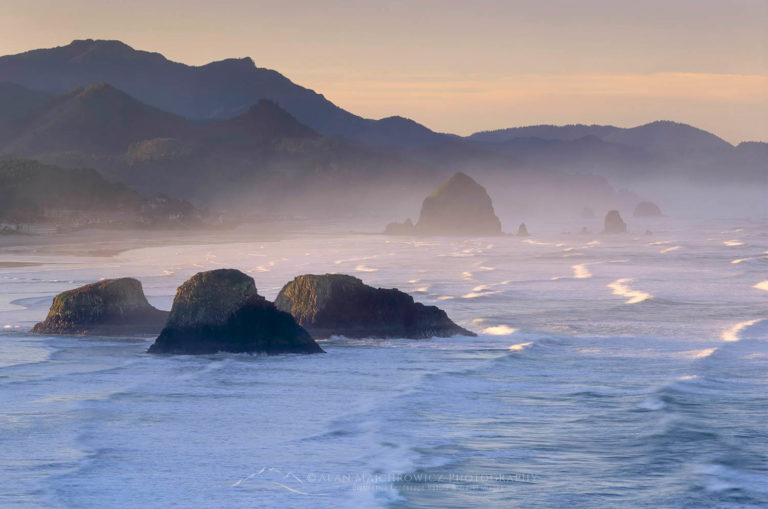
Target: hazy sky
x=460, y=66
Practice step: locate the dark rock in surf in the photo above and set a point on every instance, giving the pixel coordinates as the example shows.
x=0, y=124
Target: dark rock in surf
x=404, y=228
x=522, y=231
x=221, y=311
x=110, y=307
x=337, y=304
x=614, y=223
x=647, y=209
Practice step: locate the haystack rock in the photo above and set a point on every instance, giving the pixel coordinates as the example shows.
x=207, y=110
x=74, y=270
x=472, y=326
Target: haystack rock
x=614, y=223
x=522, y=231
x=110, y=307
x=647, y=209
x=459, y=206
x=404, y=228
x=337, y=304
x=221, y=311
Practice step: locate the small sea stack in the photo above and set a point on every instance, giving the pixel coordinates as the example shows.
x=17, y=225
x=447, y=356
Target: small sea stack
x=647, y=209
x=221, y=311
x=458, y=206
x=338, y=304
x=111, y=307
x=614, y=223
x=404, y=228
x=522, y=231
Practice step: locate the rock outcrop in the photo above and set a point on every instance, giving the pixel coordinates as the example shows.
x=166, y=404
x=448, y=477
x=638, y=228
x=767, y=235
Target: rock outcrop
x=221, y=311
x=647, y=209
x=459, y=206
x=404, y=228
x=522, y=231
x=106, y=308
x=337, y=304
x=614, y=223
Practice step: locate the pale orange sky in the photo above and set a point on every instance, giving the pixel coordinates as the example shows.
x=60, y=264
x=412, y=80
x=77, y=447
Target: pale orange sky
x=460, y=66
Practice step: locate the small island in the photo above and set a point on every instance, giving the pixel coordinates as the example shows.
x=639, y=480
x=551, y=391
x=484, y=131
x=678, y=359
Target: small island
x=338, y=304
x=106, y=308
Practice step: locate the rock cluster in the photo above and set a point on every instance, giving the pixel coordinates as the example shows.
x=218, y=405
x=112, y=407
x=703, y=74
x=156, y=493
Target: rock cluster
x=221, y=311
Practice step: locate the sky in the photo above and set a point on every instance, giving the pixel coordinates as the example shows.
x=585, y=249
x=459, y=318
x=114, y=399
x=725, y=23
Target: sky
x=459, y=66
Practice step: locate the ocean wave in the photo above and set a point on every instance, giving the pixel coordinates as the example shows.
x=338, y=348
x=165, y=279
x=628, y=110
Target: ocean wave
x=762, y=285
x=365, y=268
x=620, y=288
x=670, y=249
x=581, y=272
x=733, y=243
x=733, y=333
x=520, y=346
x=499, y=330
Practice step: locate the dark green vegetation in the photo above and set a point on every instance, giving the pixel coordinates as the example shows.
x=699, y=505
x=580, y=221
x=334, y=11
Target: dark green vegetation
x=221, y=311
x=109, y=307
x=337, y=304
x=34, y=192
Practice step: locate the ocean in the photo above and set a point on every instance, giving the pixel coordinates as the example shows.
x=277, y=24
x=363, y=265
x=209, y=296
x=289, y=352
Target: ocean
x=608, y=371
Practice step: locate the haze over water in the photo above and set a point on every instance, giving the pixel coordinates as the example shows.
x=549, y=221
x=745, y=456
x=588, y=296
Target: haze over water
x=608, y=371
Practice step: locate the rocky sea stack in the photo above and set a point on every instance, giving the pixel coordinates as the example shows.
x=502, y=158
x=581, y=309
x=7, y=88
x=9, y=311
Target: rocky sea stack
x=221, y=311
x=522, y=231
x=614, y=223
x=110, y=307
x=337, y=304
x=458, y=206
x=405, y=228
x=647, y=209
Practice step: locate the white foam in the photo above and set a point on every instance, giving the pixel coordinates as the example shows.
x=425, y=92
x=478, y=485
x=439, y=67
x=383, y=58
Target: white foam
x=652, y=403
x=499, y=330
x=365, y=268
x=620, y=288
x=581, y=272
x=475, y=295
x=762, y=285
x=536, y=242
x=520, y=346
x=740, y=260
x=670, y=249
x=732, y=243
x=698, y=354
x=732, y=333
x=481, y=288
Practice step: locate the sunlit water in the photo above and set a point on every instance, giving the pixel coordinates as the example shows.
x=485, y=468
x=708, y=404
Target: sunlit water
x=608, y=372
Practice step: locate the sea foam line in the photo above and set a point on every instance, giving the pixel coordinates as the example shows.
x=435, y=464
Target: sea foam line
x=620, y=288
x=732, y=333
x=762, y=285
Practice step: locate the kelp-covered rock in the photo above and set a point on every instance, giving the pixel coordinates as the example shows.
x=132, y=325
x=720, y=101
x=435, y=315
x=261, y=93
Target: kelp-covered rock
x=522, y=231
x=337, y=304
x=109, y=307
x=221, y=311
x=459, y=206
x=614, y=223
x=647, y=209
